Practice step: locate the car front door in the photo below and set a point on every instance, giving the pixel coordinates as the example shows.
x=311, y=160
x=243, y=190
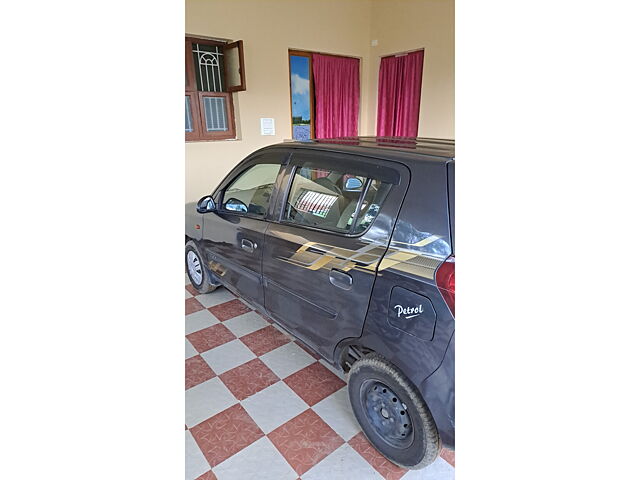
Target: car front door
x=233, y=237
x=333, y=223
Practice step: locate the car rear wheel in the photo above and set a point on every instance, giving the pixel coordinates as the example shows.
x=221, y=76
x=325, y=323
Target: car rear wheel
x=196, y=269
x=392, y=413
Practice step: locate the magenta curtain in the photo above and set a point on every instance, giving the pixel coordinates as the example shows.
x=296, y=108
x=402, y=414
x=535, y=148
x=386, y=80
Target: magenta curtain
x=336, y=82
x=399, y=85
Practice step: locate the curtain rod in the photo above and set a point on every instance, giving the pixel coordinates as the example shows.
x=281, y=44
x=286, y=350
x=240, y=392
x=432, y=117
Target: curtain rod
x=402, y=54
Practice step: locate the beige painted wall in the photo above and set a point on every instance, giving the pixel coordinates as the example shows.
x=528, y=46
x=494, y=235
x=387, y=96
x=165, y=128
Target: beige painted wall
x=268, y=29
x=345, y=27
x=405, y=25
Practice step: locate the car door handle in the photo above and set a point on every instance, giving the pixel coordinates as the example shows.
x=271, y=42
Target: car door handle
x=248, y=245
x=340, y=279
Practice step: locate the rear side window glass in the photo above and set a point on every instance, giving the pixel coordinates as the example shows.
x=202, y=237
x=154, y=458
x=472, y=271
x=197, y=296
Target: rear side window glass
x=334, y=200
x=374, y=196
x=251, y=191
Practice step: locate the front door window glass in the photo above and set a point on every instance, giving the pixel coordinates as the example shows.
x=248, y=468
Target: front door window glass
x=251, y=191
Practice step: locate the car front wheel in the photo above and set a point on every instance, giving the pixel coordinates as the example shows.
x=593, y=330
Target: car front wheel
x=196, y=269
x=392, y=413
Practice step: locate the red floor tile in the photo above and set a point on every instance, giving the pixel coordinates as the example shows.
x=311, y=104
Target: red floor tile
x=307, y=349
x=192, y=305
x=305, y=440
x=249, y=378
x=196, y=371
x=225, y=434
x=229, y=309
x=207, y=476
x=314, y=383
x=192, y=290
x=449, y=456
x=388, y=470
x=265, y=340
x=210, y=337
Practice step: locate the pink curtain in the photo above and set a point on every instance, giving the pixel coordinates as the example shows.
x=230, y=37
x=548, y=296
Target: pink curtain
x=337, y=85
x=399, y=85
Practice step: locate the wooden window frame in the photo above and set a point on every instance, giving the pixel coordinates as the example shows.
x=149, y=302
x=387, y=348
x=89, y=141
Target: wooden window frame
x=312, y=91
x=195, y=116
x=243, y=84
x=200, y=132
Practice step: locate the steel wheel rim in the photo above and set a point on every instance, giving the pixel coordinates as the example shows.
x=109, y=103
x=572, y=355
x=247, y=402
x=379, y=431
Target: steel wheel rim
x=194, y=267
x=389, y=418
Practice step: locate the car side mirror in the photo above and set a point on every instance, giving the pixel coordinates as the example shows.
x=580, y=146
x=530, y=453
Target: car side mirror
x=206, y=204
x=235, y=205
x=353, y=184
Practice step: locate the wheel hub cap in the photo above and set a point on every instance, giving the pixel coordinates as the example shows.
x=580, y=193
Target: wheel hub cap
x=387, y=414
x=193, y=265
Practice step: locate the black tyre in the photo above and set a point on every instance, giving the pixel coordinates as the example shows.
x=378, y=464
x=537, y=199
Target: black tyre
x=392, y=413
x=196, y=268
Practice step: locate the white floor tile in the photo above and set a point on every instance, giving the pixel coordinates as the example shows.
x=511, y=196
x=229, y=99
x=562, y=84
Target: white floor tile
x=206, y=400
x=438, y=470
x=218, y=296
x=259, y=461
x=186, y=279
x=336, y=411
x=228, y=356
x=342, y=464
x=287, y=359
x=189, y=351
x=187, y=294
x=195, y=463
x=245, y=323
x=199, y=320
x=274, y=406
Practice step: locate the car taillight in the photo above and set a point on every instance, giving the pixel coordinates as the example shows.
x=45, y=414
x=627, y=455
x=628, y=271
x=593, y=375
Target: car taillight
x=446, y=281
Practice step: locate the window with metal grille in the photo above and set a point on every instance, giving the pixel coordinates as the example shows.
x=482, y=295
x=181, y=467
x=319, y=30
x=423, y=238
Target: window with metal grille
x=214, y=70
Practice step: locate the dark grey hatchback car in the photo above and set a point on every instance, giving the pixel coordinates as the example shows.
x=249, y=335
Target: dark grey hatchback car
x=348, y=244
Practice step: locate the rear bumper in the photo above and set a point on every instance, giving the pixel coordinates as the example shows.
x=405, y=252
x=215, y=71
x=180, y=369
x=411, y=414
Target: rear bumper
x=438, y=391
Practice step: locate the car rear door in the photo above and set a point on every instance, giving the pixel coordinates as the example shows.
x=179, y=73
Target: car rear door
x=233, y=237
x=327, y=238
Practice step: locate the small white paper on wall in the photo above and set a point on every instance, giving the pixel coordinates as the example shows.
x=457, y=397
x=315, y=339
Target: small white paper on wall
x=267, y=126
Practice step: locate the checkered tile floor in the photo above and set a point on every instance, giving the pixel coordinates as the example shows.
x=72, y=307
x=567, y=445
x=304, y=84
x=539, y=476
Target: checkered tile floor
x=261, y=406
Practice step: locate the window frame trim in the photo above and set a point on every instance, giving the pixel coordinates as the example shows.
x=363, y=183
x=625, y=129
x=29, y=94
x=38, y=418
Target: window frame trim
x=189, y=61
x=195, y=116
x=243, y=81
x=190, y=67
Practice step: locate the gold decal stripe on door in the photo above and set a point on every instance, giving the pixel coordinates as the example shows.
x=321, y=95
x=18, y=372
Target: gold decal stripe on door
x=415, y=264
x=422, y=243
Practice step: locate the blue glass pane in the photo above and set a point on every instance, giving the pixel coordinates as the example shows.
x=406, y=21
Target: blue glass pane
x=301, y=132
x=188, y=124
x=300, y=97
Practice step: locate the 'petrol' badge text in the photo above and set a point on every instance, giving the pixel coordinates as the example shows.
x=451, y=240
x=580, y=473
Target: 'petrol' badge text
x=408, y=312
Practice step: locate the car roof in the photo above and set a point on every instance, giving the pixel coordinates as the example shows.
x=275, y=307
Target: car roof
x=443, y=149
